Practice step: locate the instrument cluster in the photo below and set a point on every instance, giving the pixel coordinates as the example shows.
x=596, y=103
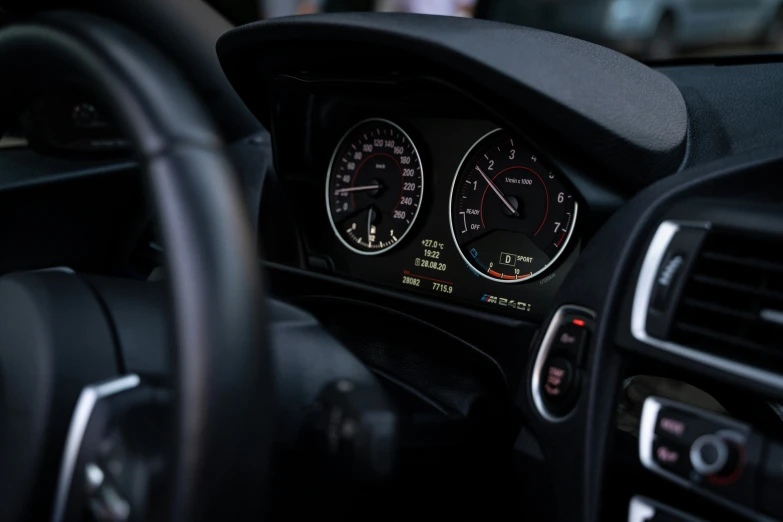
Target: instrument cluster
x=509, y=216
x=454, y=206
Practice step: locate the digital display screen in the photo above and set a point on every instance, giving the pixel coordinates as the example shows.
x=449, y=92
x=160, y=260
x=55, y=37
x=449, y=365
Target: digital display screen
x=428, y=260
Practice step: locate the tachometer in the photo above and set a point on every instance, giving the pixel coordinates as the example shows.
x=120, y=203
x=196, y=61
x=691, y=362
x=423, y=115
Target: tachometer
x=374, y=187
x=511, y=217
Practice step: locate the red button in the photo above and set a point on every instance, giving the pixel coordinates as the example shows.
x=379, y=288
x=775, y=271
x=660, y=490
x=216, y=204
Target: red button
x=557, y=379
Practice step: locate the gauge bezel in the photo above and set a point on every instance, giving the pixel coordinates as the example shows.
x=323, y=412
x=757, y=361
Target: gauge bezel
x=329, y=179
x=559, y=253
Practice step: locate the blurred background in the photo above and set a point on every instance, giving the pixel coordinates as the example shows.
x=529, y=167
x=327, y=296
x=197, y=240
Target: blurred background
x=645, y=29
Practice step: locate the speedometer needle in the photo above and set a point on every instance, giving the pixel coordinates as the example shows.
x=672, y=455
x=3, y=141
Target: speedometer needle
x=369, y=226
x=357, y=189
x=497, y=191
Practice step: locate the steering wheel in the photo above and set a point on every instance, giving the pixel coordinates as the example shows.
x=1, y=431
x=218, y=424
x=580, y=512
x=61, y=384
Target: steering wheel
x=55, y=341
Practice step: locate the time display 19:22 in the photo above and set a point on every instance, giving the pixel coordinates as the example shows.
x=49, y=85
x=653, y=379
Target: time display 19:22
x=509, y=215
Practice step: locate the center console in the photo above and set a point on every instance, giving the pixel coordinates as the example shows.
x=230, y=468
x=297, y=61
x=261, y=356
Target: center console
x=706, y=307
x=655, y=386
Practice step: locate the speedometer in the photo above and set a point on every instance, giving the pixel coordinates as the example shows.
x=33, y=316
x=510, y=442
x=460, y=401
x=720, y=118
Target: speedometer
x=374, y=187
x=510, y=215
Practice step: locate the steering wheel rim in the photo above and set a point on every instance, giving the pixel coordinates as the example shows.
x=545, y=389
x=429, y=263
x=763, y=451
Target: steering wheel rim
x=222, y=370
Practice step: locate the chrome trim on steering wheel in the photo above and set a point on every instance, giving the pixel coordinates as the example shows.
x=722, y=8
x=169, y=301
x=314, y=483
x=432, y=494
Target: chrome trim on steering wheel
x=85, y=405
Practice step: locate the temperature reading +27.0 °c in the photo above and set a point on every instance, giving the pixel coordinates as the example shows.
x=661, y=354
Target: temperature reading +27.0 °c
x=428, y=273
x=511, y=217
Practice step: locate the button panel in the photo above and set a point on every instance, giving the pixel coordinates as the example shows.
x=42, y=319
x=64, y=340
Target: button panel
x=714, y=455
x=556, y=379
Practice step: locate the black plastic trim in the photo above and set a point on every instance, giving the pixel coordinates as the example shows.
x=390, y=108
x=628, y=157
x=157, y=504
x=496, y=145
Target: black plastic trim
x=383, y=292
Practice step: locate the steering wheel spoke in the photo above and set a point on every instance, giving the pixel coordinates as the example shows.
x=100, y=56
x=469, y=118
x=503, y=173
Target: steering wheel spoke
x=114, y=465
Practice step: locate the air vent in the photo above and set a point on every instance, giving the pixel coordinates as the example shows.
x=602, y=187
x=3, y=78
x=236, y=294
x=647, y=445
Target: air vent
x=732, y=302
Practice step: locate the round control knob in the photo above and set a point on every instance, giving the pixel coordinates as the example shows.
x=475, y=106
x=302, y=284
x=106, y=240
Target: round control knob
x=712, y=455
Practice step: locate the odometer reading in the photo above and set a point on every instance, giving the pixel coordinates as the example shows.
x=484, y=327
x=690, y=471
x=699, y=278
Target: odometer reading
x=374, y=187
x=511, y=218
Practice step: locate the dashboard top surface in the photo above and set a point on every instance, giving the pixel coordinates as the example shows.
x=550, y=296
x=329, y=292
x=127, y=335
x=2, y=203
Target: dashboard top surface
x=566, y=84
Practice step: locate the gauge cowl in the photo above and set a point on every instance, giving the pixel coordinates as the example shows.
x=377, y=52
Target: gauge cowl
x=511, y=217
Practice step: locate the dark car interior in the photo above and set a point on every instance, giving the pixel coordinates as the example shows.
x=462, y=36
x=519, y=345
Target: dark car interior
x=382, y=266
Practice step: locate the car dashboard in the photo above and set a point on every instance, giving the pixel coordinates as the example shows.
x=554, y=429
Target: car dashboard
x=459, y=199
x=458, y=203
x=404, y=176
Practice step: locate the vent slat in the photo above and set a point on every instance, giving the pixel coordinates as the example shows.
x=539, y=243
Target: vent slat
x=720, y=309
x=721, y=337
x=744, y=262
x=731, y=285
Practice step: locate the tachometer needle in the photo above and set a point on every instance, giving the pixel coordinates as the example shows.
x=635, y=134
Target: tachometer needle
x=357, y=189
x=497, y=191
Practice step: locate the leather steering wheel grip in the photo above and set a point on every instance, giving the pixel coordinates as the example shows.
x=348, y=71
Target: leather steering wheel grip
x=223, y=386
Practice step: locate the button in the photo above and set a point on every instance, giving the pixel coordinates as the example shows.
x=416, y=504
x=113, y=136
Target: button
x=711, y=455
x=572, y=339
x=675, y=424
x=671, y=456
x=772, y=482
x=684, y=426
x=558, y=380
x=94, y=477
x=670, y=271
